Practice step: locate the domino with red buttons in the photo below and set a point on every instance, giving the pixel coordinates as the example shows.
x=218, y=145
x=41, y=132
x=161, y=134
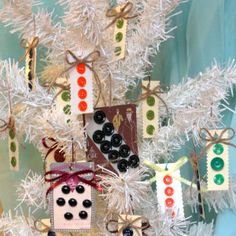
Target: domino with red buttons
x=81, y=78
x=169, y=192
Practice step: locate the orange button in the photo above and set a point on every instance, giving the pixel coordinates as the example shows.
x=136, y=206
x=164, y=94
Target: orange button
x=81, y=81
x=82, y=106
x=82, y=93
x=80, y=68
x=169, y=191
x=167, y=180
x=169, y=202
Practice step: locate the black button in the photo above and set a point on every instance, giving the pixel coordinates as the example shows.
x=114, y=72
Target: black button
x=87, y=203
x=108, y=128
x=31, y=53
x=98, y=136
x=116, y=140
x=30, y=63
x=61, y=201
x=65, y=189
x=72, y=202
x=99, y=117
x=124, y=150
x=68, y=216
x=30, y=86
x=127, y=232
x=29, y=76
x=133, y=161
x=80, y=189
x=113, y=156
x=83, y=214
x=122, y=165
x=105, y=146
x=51, y=233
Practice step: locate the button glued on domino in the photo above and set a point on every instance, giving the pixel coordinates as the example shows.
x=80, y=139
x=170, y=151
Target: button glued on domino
x=81, y=78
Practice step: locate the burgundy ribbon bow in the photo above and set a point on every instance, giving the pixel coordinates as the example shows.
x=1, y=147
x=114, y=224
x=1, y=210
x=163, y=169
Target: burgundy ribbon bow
x=63, y=176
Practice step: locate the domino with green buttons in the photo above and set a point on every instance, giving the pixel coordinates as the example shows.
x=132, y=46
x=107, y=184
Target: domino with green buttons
x=63, y=99
x=119, y=37
x=150, y=111
x=218, y=165
x=13, y=150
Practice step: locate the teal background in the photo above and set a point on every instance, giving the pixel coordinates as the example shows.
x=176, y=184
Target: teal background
x=206, y=31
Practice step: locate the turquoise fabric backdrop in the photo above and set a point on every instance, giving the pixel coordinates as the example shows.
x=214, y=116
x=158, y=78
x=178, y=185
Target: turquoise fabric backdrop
x=206, y=31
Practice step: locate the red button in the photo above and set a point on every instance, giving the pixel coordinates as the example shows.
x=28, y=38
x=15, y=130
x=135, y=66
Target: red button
x=169, y=202
x=82, y=93
x=80, y=68
x=82, y=106
x=81, y=81
x=167, y=180
x=169, y=191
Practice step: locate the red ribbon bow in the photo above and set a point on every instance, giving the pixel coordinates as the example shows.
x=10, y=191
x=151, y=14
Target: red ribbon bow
x=64, y=176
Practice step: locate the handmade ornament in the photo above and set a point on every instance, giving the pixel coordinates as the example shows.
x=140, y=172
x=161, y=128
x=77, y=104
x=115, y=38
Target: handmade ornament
x=44, y=226
x=13, y=149
x=72, y=196
x=150, y=110
x=63, y=97
x=112, y=137
x=120, y=14
x=30, y=60
x=217, y=142
x=196, y=176
x=169, y=189
x=55, y=152
x=127, y=225
x=81, y=80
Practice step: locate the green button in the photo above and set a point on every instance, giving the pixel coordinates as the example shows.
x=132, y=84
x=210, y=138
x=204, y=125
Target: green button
x=117, y=51
x=119, y=37
x=218, y=149
x=13, y=161
x=219, y=179
x=13, y=146
x=65, y=96
x=119, y=23
x=150, y=115
x=151, y=101
x=12, y=133
x=67, y=109
x=217, y=164
x=150, y=129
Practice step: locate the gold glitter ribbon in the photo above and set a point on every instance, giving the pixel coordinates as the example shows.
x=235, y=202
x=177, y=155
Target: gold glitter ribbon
x=24, y=43
x=127, y=223
x=125, y=10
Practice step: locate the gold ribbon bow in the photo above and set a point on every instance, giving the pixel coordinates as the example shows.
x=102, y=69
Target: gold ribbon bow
x=127, y=223
x=216, y=139
x=155, y=91
x=10, y=124
x=24, y=43
x=175, y=166
x=125, y=10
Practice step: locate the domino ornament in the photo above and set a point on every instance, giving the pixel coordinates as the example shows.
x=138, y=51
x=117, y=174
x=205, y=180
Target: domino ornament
x=112, y=137
x=218, y=164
